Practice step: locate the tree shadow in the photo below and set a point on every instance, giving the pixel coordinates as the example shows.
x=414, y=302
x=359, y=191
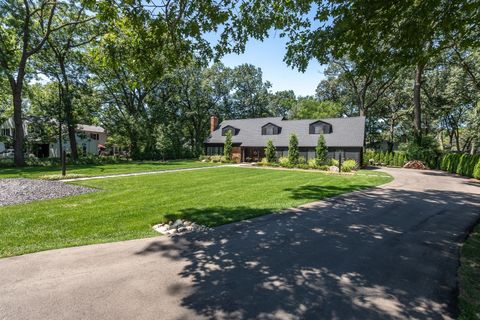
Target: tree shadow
x=363, y=256
x=315, y=192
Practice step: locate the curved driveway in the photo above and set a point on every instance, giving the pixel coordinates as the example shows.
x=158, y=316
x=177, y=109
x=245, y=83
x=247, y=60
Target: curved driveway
x=387, y=253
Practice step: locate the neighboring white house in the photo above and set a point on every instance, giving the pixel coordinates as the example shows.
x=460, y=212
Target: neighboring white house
x=88, y=137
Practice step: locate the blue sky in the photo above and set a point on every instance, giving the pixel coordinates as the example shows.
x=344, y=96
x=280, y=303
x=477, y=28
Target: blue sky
x=268, y=55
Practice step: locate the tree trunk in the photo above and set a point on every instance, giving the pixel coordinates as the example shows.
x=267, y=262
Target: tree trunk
x=19, y=158
x=67, y=102
x=417, y=107
x=473, y=148
x=392, y=135
x=457, y=139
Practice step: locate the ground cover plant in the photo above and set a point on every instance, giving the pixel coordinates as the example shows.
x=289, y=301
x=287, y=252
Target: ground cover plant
x=126, y=207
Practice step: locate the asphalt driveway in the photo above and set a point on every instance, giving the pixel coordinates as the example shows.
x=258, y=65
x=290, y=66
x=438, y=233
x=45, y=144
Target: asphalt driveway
x=387, y=253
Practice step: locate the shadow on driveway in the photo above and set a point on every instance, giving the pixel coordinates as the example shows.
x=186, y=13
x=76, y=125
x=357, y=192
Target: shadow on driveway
x=379, y=254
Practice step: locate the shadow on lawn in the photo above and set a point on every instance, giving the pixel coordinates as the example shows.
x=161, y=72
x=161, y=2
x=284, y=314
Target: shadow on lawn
x=382, y=254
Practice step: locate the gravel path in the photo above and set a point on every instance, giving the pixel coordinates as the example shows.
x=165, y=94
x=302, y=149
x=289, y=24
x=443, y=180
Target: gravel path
x=16, y=191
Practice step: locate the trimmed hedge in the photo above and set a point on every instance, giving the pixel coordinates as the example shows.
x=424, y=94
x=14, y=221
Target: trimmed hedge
x=462, y=164
x=394, y=159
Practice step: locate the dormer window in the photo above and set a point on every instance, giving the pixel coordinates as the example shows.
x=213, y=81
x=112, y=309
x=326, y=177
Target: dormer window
x=233, y=130
x=320, y=127
x=271, y=129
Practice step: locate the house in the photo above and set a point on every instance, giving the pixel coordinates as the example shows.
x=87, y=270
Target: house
x=344, y=137
x=43, y=145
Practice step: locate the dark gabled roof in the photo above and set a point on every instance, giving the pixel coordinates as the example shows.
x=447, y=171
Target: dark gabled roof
x=268, y=123
x=346, y=132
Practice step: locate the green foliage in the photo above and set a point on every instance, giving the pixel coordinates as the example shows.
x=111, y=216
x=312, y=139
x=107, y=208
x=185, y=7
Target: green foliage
x=463, y=164
x=349, y=165
x=312, y=163
x=311, y=108
x=427, y=151
x=227, y=147
x=283, y=161
x=321, y=151
x=472, y=162
x=476, y=170
x=368, y=156
x=394, y=159
x=270, y=152
x=293, y=153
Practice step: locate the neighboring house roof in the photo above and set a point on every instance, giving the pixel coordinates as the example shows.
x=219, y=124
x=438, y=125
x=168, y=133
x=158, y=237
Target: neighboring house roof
x=9, y=124
x=346, y=132
x=89, y=128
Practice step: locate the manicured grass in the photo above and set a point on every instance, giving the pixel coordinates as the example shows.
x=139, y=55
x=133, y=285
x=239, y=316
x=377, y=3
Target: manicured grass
x=126, y=208
x=469, y=277
x=103, y=169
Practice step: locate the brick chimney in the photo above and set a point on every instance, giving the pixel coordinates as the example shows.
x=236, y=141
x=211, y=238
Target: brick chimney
x=213, y=123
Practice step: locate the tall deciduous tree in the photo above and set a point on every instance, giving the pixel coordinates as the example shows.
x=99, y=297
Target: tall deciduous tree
x=311, y=108
x=62, y=60
x=398, y=33
x=24, y=29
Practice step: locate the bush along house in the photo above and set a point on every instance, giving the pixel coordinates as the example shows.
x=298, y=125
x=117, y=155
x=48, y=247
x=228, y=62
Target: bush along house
x=344, y=137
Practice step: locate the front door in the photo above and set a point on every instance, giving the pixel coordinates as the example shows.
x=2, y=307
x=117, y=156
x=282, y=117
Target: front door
x=254, y=154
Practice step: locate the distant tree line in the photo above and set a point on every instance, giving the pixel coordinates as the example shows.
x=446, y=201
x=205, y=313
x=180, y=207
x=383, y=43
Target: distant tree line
x=146, y=72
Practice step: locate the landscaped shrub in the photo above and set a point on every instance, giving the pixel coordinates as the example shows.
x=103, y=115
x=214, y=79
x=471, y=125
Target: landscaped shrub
x=368, y=155
x=476, y=170
x=302, y=160
x=283, y=161
x=216, y=158
x=321, y=151
x=463, y=164
x=303, y=166
x=473, y=160
x=270, y=152
x=349, y=165
x=293, y=153
x=427, y=151
x=312, y=163
x=334, y=162
x=224, y=159
x=227, y=147
x=263, y=162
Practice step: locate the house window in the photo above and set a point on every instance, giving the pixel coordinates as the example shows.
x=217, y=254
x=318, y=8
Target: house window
x=270, y=129
x=227, y=129
x=94, y=136
x=5, y=132
x=320, y=128
x=213, y=151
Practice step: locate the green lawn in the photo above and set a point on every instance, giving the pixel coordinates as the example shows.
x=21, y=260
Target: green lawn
x=469, y=277
x=103, y=169
x=127, y=207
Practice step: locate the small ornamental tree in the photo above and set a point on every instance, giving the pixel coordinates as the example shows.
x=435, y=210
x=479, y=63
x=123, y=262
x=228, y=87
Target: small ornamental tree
x=227, y=147
x=321, y=151
x=293, y=154
x=270, y=152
